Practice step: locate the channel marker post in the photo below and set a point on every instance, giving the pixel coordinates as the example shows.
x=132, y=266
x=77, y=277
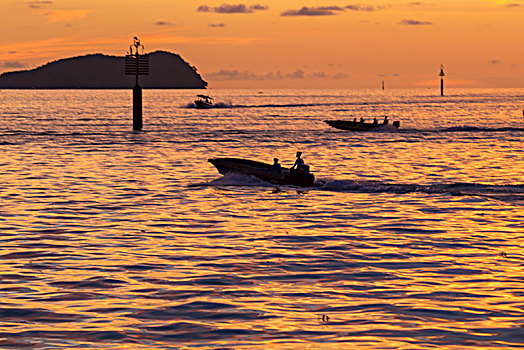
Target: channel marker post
x=137, y=63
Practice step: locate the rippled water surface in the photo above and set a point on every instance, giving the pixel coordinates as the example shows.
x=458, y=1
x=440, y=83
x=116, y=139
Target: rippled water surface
x=117, y=239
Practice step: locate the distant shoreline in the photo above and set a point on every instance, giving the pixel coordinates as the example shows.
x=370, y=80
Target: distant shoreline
x=101, y=72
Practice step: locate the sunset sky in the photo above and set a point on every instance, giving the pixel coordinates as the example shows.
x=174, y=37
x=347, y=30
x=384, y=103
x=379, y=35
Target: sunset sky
x=284, y=44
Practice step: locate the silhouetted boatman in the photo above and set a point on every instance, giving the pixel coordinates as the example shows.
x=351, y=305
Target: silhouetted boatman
x=300, y=166
x=386, y=121
x=375, y=121
x=298, y=161
x=361, y=120
x=276, y=165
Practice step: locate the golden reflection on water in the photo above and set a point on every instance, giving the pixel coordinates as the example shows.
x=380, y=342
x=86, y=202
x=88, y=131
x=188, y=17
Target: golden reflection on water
x=128, y=235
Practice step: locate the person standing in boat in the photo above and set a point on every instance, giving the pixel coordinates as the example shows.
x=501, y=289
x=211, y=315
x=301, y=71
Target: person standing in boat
x=299, y=165
x=299, y=161
x=375, y=121
x=276, y=165
x=386, y=121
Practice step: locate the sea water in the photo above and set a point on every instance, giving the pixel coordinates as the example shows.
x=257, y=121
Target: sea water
x=116, y=239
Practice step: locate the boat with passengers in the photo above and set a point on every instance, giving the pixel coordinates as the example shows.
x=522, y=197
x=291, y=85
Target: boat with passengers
x=301, y=176
x=361, y=125
x=203, y=101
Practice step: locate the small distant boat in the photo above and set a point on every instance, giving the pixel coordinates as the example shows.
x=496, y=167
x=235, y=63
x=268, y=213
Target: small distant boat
x=203, y=101
x=263, y=171
x=353, y=125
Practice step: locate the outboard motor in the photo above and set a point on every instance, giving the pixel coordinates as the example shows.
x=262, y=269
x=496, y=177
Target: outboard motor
x=303, y=169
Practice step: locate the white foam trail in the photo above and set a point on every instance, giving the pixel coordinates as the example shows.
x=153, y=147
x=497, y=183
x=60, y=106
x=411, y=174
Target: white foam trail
x=234, y=179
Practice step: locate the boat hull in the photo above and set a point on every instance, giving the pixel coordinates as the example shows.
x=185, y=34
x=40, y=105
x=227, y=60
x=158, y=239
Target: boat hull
x=262, y=171
x=357, y=126
x=202, y=104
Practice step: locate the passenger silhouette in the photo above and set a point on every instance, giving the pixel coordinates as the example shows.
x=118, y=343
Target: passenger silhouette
x=300, y=166
x=276, y=165
x=299, y=161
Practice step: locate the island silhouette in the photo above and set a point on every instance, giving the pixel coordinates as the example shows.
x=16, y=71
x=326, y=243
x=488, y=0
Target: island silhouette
x=98, y=71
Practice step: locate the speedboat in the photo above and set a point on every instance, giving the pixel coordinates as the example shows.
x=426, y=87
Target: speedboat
x=203, y=101
x=263, y=171
x=353, y=125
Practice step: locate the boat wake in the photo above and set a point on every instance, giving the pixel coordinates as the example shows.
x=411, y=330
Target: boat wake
x=513, y=193
x=454, y=129
x=507, y=192
x=274, y=105
x=234, y=179
x=214, y=106
x=459, y=129
x=466, y=128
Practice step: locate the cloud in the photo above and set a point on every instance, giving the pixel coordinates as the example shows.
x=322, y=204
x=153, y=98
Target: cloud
x=43, y=50
x=14, y=64
x=319, y=75
x=274, y=76
x=39, y=4
x=163, y=23
x=414, y=22
x=228, y=8
x=366, y=8
x=227, y=74
x=495, y=62
x=260, y=7
x=310, y=11
x=340, y=76
x=233, y=74
x=217, y=25
x=55, y=16
x=298, y=74
x=513, y=5
x=329, y=10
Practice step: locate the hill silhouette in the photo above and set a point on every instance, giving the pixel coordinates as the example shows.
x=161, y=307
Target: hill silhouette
x=97, y=71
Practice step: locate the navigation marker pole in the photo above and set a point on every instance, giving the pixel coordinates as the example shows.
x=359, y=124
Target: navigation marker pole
x=137, y=64
x=442, y=75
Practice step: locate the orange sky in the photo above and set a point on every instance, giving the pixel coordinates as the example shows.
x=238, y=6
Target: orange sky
x=284, y=44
